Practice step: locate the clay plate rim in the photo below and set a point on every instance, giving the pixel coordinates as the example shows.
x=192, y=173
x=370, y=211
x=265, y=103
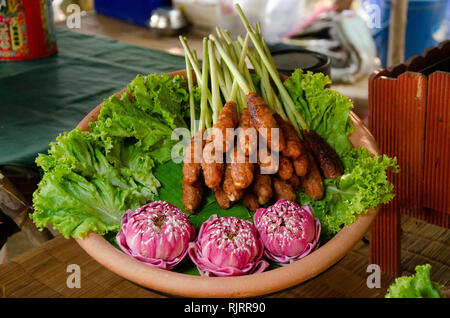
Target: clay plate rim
x=240, y=286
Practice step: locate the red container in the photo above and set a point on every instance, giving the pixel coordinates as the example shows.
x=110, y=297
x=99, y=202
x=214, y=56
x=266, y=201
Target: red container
x=26, y=29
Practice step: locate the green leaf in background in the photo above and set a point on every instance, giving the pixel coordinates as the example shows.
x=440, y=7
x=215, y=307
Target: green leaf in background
x=418, y=285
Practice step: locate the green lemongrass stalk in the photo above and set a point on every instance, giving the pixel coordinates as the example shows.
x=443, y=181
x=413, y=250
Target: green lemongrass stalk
x=243, y=68
x=224, y=67
x=208, y=119
x=244, y=49
x=193, y=59
x=194, y=52
x=227, y=76
x=241, y=100
x=192, y=56
x=222, y=83
x=227, y=36
x=204, y=86
x=227, y=42
x=264, y=44
x=231, y=66
x=191, y=96
x=235, y=51
x=292, y=113
x=271, y=94
x=221, y=36
x=216, y=104
x=251, y=56
x=275, y=99
x=267, y=90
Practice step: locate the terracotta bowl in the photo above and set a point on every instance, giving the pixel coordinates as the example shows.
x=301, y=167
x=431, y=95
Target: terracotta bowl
x=240, y=286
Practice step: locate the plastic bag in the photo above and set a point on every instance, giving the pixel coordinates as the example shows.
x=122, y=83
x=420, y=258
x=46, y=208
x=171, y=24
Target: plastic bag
x=280, y=17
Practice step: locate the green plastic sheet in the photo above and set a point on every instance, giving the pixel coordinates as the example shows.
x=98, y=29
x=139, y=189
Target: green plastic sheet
x=39, y=99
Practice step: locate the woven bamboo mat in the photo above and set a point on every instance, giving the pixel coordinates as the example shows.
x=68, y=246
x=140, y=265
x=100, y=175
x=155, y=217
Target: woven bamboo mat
x=42, y=272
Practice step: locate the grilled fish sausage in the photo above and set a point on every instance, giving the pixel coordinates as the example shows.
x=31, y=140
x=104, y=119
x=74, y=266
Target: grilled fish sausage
x=228, y=186
x=193, y=158
x=312, y=182
x=263, y=120
x=294, y=146
x=295, y=181
x=192, y=195
x=285, y=169
x=212, y=168
x=222, y=198
x=241, y=169
x=329, y=161
x=250, y=200
x=247, y=136
x=262, y=187
x=283, y=189
x=301, y=164
x=228, y=119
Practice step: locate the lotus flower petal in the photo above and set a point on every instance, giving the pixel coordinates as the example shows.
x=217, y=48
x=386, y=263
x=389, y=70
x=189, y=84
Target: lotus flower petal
x=288, y=231
x=227, y=246
x=157, y=234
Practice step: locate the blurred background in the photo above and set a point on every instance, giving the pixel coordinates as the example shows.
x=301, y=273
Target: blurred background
x=354, y=34
x=345, y=39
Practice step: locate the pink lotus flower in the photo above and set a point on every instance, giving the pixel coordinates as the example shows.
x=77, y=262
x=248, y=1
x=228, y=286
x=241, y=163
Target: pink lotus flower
x=287, y=230
x=157, y=234
x=227, y=246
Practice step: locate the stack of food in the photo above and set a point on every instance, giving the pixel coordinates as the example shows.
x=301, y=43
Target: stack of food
x=254, y=152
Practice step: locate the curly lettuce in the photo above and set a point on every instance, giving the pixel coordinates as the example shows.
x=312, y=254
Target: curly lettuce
x=85, y=189
x=418, y=285
x=325, y=111
x=76, y=205
x=363, y=186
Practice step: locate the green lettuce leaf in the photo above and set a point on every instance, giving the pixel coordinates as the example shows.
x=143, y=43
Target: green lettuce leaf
x=120, y=117
x=84, y=188
x=325, y=111
x=364, y=185
x=161, y=96
x=418, y=285
x=75, y=205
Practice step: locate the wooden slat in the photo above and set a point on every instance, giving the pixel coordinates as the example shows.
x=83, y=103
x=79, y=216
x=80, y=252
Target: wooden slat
x=385, y=232
x=437, y=152
x=410, y=110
